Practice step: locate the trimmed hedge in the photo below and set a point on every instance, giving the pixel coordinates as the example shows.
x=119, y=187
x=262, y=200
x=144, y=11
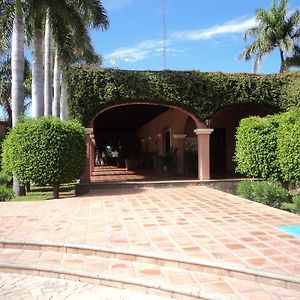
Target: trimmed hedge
x=256, y=147
x=270, y=147
x=289, y=146
x=45, y=151
x=91, y=89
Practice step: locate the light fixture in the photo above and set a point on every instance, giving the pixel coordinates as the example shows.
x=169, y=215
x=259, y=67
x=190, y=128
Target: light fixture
x=207, y=122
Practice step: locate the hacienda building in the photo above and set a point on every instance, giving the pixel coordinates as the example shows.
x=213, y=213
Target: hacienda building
x=182, y=123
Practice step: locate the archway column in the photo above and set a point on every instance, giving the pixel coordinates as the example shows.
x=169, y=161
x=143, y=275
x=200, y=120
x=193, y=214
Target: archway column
x=203, y=135
x=179, y=144
x=90, y=149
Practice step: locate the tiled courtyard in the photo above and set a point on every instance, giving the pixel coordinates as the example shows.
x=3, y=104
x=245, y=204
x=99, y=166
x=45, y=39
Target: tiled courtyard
x=192, y=224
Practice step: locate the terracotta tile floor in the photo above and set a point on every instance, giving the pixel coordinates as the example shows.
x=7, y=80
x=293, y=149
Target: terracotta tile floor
x=190, y=222
x=110, y=174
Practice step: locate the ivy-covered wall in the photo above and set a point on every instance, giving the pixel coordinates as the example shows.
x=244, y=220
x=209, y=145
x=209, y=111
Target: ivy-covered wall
x=91, y=89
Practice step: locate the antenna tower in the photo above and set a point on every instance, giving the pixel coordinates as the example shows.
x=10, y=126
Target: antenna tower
x=165, y=32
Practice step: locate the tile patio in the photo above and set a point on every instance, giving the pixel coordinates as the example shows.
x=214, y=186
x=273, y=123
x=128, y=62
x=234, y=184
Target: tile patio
x=190, y=224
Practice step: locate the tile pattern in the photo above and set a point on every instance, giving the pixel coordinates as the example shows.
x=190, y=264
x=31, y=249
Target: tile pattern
x=149, y=275
x=187, y=222
x=195, y=222
x=29, y=287
x=110, y=174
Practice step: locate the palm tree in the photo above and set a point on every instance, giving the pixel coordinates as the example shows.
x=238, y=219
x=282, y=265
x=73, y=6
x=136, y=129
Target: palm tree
x=70, y=37
x=92, y=15
x=274, y=29
x=6, y=85
x=12, y=27
x=48, y=68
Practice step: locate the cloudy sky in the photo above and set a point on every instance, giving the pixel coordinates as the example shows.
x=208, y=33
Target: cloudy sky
x=205, y=35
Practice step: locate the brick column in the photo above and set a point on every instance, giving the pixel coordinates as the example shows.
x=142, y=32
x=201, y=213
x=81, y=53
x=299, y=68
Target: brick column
x=179, y=139
x=86, y=176
x=203, y=135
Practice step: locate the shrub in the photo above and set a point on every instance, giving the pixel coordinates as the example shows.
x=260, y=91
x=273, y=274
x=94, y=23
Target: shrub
x=6, y=193
x=45, y=151
x=265, y=192
x=256, y=147
x=296, y=202
x=289, y=146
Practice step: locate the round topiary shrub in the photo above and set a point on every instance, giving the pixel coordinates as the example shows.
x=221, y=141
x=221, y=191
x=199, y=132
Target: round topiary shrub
x=256, y=147
x=45, y=151
x=289, y=146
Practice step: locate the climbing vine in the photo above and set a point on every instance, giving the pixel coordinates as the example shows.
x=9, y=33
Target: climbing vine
x=92, y=89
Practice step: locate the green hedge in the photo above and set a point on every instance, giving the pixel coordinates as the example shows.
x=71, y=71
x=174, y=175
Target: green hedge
x=270, y=147
x=289, y=146
x=256, y=147
x=91, y=89
x=45, y=151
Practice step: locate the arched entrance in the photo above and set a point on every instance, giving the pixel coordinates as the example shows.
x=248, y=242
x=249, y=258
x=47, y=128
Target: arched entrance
x=222, y=140
x=149, y=137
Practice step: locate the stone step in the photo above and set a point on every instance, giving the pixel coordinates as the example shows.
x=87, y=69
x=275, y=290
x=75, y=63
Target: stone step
x=162, y=276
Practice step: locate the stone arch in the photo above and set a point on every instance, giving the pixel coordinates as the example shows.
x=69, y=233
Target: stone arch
x=168, y=121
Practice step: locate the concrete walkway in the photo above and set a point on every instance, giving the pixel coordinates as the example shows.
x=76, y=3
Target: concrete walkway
x=191, y=242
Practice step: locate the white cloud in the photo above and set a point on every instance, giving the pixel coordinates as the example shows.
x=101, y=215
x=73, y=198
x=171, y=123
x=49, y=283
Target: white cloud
x=155, y=47
x=208, y=33
x=141, y=51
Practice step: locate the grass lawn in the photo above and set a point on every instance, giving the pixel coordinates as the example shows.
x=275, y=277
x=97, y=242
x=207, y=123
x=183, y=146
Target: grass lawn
x=39, y=193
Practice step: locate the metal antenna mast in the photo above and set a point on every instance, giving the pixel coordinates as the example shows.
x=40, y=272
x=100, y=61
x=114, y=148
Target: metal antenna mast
x=165, y=32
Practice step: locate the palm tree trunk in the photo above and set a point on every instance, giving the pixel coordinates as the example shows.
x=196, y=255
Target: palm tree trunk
x=17, y=67
x=37, y=75
x=283, y=66
x=63, y=97
x=56, y=84
x=48, y=70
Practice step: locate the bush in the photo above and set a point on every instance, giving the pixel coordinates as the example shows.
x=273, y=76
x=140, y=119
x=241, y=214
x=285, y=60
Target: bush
x=45, y=151
x=289, y=146
x=265, y=192
x=256, y=147
x=6, y=193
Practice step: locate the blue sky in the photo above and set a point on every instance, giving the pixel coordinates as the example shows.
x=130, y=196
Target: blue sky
x=202, y=35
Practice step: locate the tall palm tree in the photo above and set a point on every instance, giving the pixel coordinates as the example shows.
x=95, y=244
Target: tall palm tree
x=6, y=85
x=48, y=68
x=274, y=29
x=12, y=29
x=92, y=15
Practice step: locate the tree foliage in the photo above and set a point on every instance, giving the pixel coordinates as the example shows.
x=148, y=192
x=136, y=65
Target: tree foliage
x=45, y=151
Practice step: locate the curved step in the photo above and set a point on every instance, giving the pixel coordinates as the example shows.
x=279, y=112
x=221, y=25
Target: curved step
x=149, y=277
x=223, y=269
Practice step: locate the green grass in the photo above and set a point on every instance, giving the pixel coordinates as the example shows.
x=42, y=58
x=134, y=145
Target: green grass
x=40, y=193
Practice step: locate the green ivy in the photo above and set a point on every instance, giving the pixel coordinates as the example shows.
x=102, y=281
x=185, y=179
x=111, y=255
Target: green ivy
x=91, y=89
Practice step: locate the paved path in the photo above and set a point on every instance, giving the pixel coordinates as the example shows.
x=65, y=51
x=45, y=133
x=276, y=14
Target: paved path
x=182, y=223
x=28, y=287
